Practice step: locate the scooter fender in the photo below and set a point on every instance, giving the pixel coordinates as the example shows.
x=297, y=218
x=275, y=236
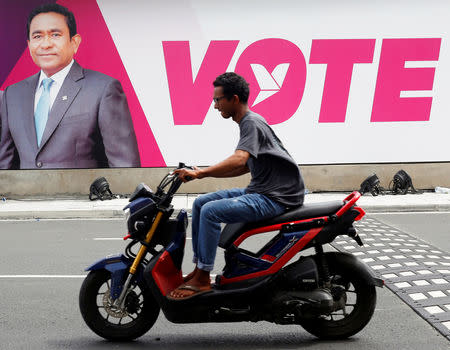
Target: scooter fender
x=118, y=265
x=365, y=272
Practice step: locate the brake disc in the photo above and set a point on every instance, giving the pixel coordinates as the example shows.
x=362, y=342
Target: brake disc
x=112, y=310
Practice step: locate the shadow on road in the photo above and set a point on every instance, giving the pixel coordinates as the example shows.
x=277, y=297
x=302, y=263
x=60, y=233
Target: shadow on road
x=279, y=340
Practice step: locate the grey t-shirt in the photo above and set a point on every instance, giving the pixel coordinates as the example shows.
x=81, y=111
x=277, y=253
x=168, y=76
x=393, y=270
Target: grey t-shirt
x=274, y=172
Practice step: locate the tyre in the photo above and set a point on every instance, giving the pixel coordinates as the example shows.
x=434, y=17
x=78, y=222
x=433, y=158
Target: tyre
x=135, y=319
x=355, y=300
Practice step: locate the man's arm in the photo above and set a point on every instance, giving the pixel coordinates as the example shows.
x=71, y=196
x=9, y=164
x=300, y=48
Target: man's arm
x=117, y=129
x=234, y=165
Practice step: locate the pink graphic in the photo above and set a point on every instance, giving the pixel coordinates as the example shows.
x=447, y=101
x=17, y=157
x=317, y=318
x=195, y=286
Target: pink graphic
x=192, y=99
x=339, y=55
x=98, y=52
x=276, y=72
x=22, y=70
x=393, y=77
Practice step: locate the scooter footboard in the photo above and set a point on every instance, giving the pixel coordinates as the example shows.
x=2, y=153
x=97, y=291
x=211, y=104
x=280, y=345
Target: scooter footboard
x=222, y=305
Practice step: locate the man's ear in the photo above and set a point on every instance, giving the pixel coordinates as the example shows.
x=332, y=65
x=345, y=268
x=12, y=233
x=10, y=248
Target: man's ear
x=236, y=99
x=76, y=41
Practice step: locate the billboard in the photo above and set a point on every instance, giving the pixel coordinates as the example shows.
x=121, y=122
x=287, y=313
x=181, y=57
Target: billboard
x=348, y=82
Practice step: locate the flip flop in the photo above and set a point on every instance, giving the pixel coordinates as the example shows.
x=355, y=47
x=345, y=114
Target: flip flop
x=197, y=291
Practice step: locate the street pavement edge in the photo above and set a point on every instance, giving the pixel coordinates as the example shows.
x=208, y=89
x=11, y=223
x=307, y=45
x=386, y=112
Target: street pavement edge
x=85, y=209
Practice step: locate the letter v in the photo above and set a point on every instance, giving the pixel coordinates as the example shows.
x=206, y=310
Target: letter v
x=191, y=99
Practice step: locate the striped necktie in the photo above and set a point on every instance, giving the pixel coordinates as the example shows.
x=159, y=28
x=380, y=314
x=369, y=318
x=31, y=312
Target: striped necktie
x=42, y=109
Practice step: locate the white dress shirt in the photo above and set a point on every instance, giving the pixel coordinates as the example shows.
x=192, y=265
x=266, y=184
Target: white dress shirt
x=58, y=80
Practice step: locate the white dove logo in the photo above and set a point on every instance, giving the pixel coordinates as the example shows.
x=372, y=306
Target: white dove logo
x=269, y=83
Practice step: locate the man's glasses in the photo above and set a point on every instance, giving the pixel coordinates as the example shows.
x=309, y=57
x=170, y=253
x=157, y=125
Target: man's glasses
x=217, y=99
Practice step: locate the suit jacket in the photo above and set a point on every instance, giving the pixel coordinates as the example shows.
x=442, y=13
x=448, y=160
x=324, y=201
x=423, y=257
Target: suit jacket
x=89, y=125
x=1, y=95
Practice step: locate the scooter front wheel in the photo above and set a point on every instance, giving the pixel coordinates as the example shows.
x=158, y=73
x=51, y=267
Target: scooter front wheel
x=120, y=324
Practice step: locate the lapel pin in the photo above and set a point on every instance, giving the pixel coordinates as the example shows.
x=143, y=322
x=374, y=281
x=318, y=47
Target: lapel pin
x=64, y=98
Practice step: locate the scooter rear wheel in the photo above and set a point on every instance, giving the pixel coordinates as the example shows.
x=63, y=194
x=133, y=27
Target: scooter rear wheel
x=358, y=298
x=135, y=319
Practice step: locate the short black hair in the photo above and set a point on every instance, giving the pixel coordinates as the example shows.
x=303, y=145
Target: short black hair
x=45, y=8
x=233, y=84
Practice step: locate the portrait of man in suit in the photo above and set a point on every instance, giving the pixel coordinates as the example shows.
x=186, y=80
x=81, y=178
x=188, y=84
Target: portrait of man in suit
x=65, y=116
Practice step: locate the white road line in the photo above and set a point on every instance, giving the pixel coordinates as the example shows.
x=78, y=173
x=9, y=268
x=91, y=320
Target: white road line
x=42, y=276
x=115, y=238
x=63, y=219
x=58, y=276
x=408, y=212
x=108, y=239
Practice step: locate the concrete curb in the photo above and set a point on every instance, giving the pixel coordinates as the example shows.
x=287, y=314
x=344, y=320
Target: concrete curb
x=72, y=214
x=117, y=214
x=407, y=208
x=85, y=209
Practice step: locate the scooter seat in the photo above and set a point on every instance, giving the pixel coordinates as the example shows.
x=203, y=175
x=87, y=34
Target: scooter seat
x=309, y=210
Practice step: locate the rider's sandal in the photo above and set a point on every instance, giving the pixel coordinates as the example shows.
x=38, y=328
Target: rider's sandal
x=196, y=290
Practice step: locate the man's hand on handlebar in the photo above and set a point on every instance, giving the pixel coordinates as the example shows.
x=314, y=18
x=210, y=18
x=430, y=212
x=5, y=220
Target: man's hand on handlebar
x=186, y=175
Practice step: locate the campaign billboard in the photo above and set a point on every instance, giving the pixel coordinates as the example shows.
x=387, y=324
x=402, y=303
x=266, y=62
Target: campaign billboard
x=347, y=82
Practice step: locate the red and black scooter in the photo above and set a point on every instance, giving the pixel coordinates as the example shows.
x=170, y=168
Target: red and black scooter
x=330, y=294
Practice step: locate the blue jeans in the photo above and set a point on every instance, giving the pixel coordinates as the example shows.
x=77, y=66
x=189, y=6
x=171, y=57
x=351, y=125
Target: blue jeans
x=226, y=206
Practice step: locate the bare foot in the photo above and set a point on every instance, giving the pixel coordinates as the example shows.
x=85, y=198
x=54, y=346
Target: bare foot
x=189, y=276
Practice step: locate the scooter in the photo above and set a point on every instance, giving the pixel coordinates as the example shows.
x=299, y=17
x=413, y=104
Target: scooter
x=330, y=294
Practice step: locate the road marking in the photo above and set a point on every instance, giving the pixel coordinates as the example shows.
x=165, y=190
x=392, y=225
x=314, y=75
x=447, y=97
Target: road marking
x=115, y=238
x=60, y=276
x=61, y=219
x=42, y=276
x=418, y=276
x=409, y=212
x=108, y=239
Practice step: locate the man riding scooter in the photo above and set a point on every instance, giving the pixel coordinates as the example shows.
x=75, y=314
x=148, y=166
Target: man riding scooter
x=276, y=182
x=330, y=294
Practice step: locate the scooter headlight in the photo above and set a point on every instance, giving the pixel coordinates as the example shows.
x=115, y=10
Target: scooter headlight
x=127, y=214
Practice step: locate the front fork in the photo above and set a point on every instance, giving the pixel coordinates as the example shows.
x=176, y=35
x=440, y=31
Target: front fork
x=119, y=302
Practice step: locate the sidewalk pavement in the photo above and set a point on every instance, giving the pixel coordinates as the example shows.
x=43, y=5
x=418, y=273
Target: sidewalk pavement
x=11, y=209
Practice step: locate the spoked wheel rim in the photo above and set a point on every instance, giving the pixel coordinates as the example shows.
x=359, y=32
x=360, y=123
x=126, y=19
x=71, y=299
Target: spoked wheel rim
x=354, y=300
x=134, y=302
x=138, y=315
x=345, y=295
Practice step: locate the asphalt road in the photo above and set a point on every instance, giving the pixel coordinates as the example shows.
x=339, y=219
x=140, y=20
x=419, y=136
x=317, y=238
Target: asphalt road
x=433, y=228
x=41, y=269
